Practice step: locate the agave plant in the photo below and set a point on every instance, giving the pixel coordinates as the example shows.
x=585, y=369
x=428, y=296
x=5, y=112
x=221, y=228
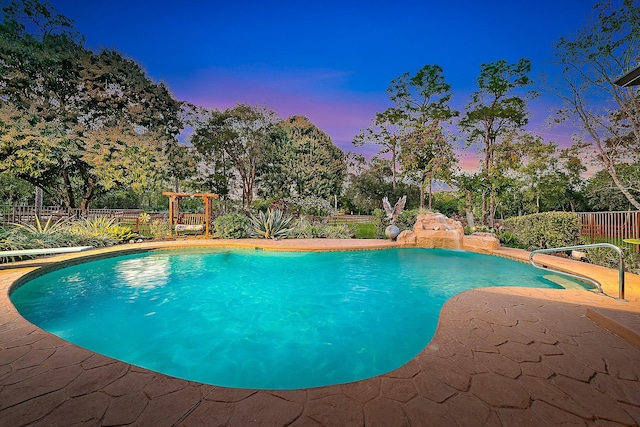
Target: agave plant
x=48, y=228
x=270, y=225
x=41, y=234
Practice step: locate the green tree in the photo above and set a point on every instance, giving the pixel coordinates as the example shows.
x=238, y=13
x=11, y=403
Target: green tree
x=279, y=160
x=315, y=167
x=494, y=111
x=607, y=114
x=540, y=164
x=604, y=194
x=239, y=136
x=572, y=165
x=367, y=187
x=428, y=156
x=422, y=101
x=76, y=122
x=386, y=130
x=468, y=185
x=15, y=191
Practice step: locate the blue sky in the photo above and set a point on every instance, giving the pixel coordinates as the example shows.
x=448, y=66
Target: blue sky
x=332, y=60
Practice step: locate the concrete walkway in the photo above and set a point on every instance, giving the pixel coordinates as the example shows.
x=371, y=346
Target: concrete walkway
x=500, y=357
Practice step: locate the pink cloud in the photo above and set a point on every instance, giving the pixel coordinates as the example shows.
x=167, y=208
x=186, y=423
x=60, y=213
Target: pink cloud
x=469, y=161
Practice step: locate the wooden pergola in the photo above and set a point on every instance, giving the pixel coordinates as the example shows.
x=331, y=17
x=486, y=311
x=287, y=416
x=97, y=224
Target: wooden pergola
x=175, y=217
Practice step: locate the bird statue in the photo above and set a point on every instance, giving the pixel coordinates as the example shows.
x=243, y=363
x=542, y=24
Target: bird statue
x=393, y=213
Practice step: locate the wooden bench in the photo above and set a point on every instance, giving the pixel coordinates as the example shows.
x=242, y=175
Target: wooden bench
x=190, y=222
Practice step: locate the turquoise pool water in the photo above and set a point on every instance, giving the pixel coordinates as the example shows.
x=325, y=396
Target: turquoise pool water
x=260, y=319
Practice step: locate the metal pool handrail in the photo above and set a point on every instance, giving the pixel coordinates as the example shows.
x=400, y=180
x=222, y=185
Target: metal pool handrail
x=593, y=245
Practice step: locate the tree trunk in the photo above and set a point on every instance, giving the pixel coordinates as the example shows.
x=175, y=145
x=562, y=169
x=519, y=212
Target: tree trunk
x=87, y=197
x=430, y=193
x=622, y=188
x=38, y=200
x=492, y=209
x=68, y=199
x=605, y=158
x=421, y=197
x=393, y=167
x=483, y=217
x=468, y=209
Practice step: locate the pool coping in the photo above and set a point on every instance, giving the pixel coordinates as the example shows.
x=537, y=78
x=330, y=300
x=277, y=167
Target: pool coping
x=44, y=379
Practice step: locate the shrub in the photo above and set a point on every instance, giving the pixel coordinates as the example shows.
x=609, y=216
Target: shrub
x=159, y=229
x=39, y=235
x=231, y=226
x=100, y=232
x=260, y=205
x=478, y=229
x=381, y=222
x=338, y=231
x=407, y=219
x=310, y=206
x=545, y=230
x=305, y=229
x=102, y=228
x=607, y=257
x=509, y=240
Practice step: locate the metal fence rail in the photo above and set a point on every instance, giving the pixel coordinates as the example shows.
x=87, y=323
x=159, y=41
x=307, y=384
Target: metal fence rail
x=610, y=227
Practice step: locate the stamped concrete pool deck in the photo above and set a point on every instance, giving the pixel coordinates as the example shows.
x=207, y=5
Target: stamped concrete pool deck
x=500, y=357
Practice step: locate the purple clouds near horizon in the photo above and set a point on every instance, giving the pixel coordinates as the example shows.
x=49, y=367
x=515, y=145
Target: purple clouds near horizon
x=331, y=61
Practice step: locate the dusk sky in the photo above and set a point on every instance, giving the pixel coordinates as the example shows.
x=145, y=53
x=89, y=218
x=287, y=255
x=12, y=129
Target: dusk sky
x=330, y=61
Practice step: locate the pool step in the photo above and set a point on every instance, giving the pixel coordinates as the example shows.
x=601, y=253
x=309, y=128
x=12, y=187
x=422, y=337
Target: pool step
x=625, y=324
x=563, y=281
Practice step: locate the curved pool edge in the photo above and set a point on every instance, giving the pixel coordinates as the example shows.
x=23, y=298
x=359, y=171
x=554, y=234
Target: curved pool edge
x=46, y=378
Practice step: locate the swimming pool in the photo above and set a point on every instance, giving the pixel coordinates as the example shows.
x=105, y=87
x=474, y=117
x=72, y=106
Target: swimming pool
x=261, y=319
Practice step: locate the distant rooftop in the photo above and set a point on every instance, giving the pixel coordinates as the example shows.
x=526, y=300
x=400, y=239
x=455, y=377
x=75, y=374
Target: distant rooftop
x=632, y=78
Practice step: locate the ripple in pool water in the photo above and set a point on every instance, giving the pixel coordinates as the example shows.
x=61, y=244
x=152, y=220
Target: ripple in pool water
x=259, y=319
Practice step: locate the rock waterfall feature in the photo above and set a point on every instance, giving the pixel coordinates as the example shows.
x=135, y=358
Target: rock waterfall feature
x=434, y=230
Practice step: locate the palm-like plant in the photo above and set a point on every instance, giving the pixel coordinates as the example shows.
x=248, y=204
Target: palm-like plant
x=41, y=235
x=103, y=227
x=39, y=229
x=270, y=225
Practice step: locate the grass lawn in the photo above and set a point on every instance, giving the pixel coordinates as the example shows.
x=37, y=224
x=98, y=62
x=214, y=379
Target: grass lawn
x=365, y=231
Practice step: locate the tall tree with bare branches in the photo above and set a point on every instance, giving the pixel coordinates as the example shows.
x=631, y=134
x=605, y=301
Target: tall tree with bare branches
x=607, y=115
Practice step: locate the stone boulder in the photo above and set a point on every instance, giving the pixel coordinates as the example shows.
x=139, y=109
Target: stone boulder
x=406, y=239
x=481, y=242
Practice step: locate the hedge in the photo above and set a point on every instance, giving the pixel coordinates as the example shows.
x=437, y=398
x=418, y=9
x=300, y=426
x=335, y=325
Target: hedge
x=231, y=226
x=545, y=230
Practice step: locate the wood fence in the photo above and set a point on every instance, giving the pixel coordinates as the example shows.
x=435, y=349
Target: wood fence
x=350, y=219
x=28, y=214
x=610, y=227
